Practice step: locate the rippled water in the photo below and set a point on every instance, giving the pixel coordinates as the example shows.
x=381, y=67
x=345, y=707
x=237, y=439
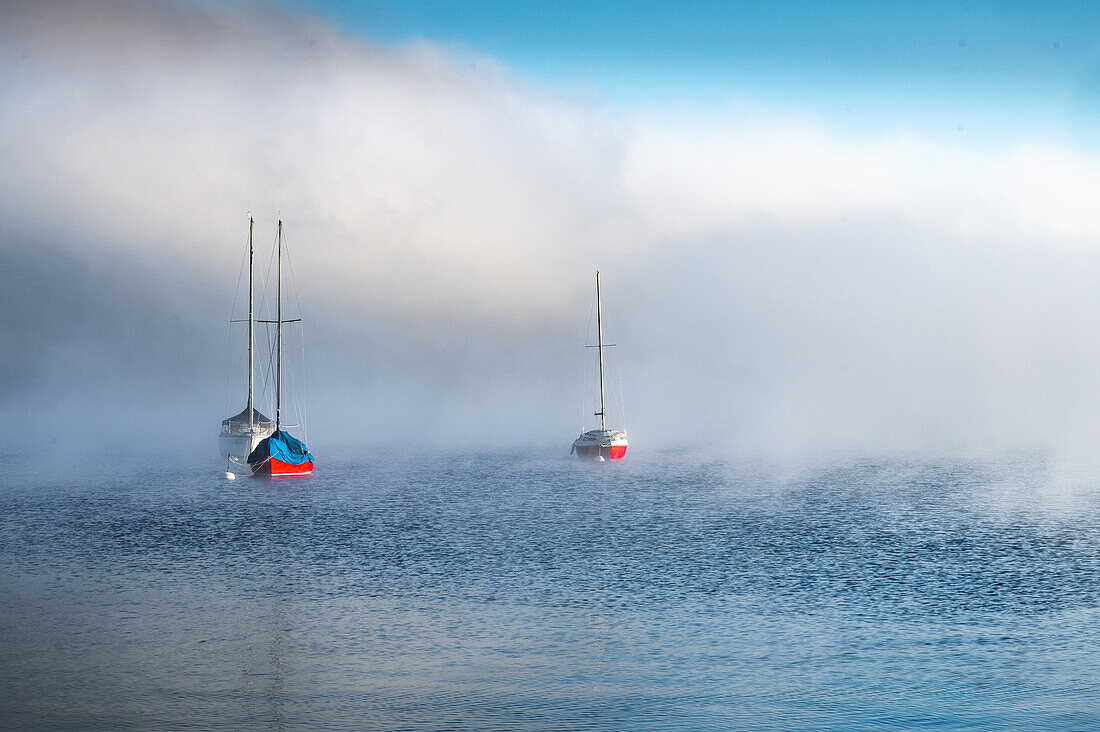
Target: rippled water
x=489, y=592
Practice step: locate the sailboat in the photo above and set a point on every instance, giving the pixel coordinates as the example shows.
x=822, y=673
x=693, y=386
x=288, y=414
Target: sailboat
x=280, y=454
x=600, y=443
x=242, y=432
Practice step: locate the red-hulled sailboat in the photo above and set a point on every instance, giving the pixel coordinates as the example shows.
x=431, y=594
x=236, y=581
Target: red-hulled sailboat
x=280, y=454
x=600, y=443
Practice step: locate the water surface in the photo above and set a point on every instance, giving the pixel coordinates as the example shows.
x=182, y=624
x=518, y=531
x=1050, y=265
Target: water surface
x=490, y=592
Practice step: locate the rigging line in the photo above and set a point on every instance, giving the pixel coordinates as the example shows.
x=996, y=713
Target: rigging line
x=302, y=385
x=235, y=367
x=290, y=268
x=237, y=292
x=617, y=389
x=267, y=275
x=272, y=347
x=619, y=377
x=264, y=277
x=290, y=384
x=268, y=372
x=297, y=380
x=584, y=360
x=228, y=365
x=266, y=381
x=229, y=341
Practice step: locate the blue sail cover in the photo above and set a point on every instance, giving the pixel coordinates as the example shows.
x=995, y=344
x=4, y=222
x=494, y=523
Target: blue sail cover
x=282, y=446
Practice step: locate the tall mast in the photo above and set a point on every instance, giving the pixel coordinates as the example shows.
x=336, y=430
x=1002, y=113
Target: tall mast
x=599, y=330
x=251, y=331
x=279, y=326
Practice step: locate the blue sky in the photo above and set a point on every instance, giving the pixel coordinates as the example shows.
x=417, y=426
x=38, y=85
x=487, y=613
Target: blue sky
x=984, y=69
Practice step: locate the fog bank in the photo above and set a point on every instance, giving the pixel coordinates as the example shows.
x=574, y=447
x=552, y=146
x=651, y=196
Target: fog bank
x=773, y=287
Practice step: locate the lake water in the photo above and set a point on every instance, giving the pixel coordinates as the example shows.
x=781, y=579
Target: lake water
x=494, y=592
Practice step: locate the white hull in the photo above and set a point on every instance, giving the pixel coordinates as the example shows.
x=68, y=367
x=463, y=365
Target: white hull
x=600, y=444
x=238, y=447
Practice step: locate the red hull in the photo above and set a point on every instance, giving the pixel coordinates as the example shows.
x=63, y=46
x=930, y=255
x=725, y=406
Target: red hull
x=613, y=452
x=272, y=468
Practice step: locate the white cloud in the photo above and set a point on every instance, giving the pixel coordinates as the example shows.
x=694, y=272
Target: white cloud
x=701, y=179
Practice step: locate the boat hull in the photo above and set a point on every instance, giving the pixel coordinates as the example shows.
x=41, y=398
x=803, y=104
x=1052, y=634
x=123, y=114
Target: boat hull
x=237, y=448
x=274, y=468
x=597, y=444
x=609, y=452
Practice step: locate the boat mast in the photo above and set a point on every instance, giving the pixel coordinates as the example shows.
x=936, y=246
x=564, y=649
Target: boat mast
x=279, y=326
x=599, y=330
x=251, y=327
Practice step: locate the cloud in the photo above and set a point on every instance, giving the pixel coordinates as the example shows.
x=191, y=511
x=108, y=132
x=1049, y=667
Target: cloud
x=773, y=284
x=714, y=176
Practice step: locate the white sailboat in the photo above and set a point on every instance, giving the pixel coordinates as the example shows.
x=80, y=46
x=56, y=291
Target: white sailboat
x=242, y=432
x=600, y=443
